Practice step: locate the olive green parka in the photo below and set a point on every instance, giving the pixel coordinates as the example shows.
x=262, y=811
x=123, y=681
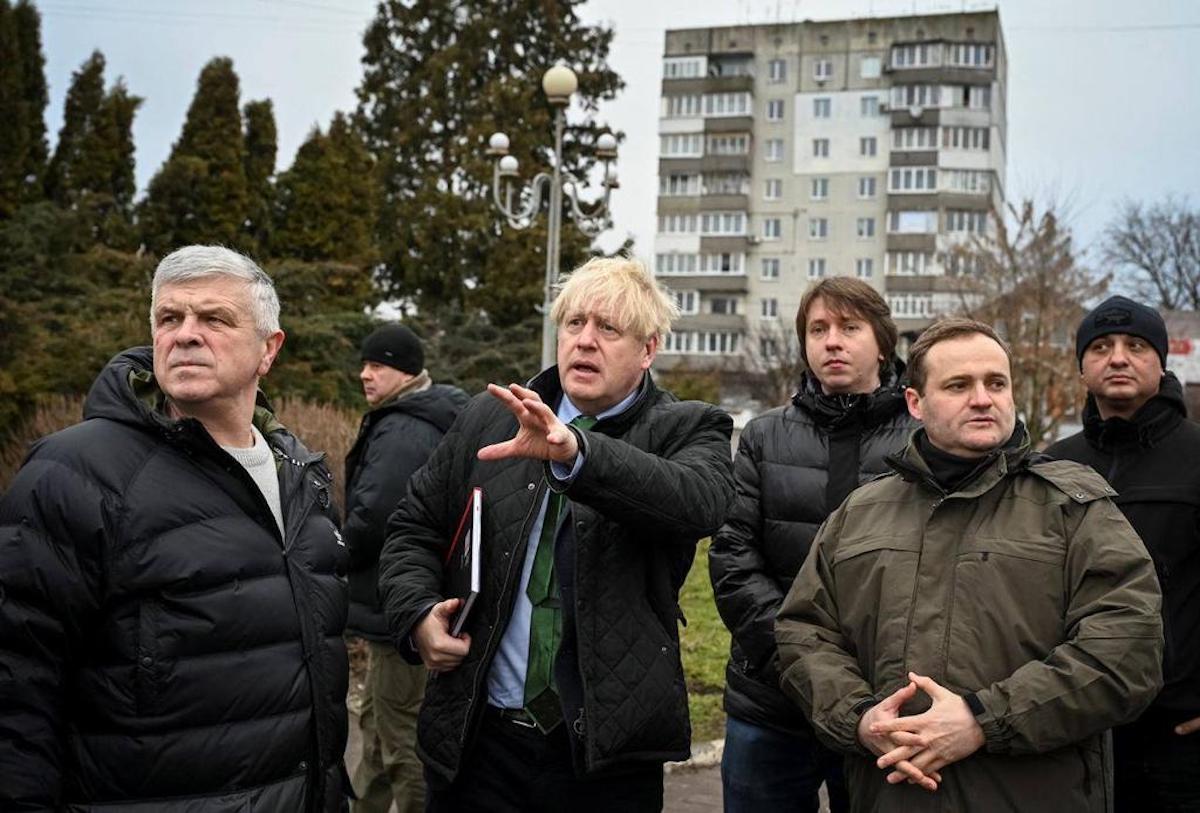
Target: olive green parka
x=1026, y=587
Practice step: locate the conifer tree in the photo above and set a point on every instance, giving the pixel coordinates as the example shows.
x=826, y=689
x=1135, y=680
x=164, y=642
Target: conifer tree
x=440, y=77
x=200, y=194
x=74, y=168
x=22, y=106
x=259, y=163
x=326, y=200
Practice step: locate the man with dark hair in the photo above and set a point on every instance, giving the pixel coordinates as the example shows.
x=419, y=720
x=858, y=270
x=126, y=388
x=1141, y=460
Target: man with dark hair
x=794, y=465
x=409, y=415
x=1136, y=434
x=566, y=691
x=172, y=580
x=967, y=627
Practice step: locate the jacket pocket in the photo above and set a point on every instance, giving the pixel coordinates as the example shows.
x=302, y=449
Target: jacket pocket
x=147, y=665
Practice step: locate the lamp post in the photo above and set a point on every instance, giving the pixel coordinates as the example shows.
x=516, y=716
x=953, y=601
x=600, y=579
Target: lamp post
x=558, y=83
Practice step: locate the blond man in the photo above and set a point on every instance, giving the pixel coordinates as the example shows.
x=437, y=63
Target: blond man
x=566, y=690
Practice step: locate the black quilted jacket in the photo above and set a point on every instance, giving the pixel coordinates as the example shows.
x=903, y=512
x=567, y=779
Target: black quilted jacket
x=159, y=642
x=656, y=478
x=394, y=440
x=795, y=464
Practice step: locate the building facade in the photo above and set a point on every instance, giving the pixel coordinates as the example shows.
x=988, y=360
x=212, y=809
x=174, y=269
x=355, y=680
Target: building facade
x=792, y=152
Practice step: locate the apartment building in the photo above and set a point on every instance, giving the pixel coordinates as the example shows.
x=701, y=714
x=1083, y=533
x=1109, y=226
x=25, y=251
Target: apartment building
x=791, y=152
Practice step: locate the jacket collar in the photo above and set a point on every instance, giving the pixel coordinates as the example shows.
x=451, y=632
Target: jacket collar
x=831, y=411
x=1014, y=455
x=1148, y=426
x=547, y=385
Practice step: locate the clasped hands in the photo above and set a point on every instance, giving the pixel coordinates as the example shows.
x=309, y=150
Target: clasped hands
x=916, y=748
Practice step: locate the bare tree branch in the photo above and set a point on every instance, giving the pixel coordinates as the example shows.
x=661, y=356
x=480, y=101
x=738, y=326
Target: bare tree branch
x=1157, y=249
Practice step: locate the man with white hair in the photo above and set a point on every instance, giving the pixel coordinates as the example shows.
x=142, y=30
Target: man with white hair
x=566, y=690
x=172, y=581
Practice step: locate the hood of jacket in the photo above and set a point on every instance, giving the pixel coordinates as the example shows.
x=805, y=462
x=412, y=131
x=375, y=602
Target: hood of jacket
x=1146, y=428
x=437, y=404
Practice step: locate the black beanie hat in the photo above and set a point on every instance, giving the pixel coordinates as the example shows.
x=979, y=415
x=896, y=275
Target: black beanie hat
x=1118, y=314
x=396, y=346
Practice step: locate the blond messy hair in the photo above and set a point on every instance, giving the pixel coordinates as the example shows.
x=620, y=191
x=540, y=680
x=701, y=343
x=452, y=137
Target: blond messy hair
x=622, y=290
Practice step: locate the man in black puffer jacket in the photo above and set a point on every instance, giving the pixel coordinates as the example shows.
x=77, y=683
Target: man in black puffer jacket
x=172, y=581
x=1136, y=434
x=567, y=692
x=408, y=417
x=794, y=466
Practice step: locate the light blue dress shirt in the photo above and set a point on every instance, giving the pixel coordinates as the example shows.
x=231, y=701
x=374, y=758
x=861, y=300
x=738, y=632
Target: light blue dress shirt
x=506, y=680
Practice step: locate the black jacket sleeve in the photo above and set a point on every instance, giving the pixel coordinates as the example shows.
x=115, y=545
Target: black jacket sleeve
x=747, y=596
x=399, y=445
x=53, y=523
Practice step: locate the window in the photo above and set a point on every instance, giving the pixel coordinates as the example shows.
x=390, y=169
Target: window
x=719, y=223
x=912, y=222
x=768, y=348
x=727, y=104
x=725, y=262
x=822, y=107
x=865, y=227
x=965, y=221
x=679, y=184
x=726, y=183
x=774, y=151
x=723, y=305
x=676, y=107
x=818, y=228
x=674, y=263
x=965, y=138
x=772, y=189
x=677, y=224
x=731, y=66
x=911, y=306
x=822, y=70
x=775, y=110
x=816, y=267
x=772, y=228
x=866, y=187
x=868, y=106
x=911, y=263
x=867, y=146
x=917, y=55
x=770, y=268
x=969, y=55
x=820, y=148
x=723, y=342
x=728, y=144
x=688, y=67
x=776, y=70
x=870, y=67
x=916, y=96
x=977, y=97
x=912, y=179
x=688, y=302
x=914, y=138
x=680, y=145
x=769, y=308
x=864, y=267
x=820, y=189
x=966, y=180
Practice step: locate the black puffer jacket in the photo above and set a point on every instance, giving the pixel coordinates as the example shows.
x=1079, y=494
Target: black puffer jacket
x=795, y=464
x=1152, y=462
x=161, y=648
x=394, y=440
x=656, y=478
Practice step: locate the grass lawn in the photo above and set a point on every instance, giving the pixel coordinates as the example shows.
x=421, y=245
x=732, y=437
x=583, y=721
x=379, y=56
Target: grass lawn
x=705, y=648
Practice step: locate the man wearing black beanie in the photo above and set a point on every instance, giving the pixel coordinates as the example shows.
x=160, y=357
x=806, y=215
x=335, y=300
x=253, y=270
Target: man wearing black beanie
x=408, y=416
x=1135, y=433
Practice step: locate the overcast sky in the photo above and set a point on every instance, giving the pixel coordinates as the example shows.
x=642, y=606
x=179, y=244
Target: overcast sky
x=1102, y=96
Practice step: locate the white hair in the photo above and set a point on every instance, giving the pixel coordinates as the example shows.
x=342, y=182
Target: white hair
x=199, y=262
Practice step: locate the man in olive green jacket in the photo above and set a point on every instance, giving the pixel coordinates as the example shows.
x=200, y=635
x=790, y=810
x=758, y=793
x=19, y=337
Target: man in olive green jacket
x=968, y=627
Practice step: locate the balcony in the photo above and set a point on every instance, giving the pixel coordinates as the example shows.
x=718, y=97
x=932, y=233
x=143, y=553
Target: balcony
x=711, y=282
x=713, y=203
x=913, y=158
x=708, y=84
x=725, y=245
x=711, y=321
x=723, y=163
x=729, y=124
x=903, y=116
x=926, y=243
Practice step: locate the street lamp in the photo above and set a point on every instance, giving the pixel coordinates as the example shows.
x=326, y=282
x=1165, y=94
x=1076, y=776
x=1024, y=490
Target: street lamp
x=558, y=83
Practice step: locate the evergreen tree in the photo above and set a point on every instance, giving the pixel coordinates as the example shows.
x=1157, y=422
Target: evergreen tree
x=326, y=200
x=22, y=106
x=75, y=168
x=200, y=194
x=259, y=163
x=34, y=94
x=440, y=77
